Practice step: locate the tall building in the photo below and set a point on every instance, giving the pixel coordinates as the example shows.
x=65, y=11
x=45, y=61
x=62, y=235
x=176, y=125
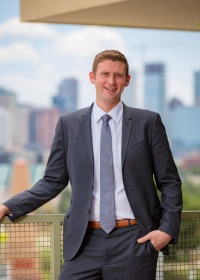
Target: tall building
x=6, y=134
x=22, y=122
x=66, y=99
x=8, y=101
x=184, y=129
x=155, y=87
x=42, y=127
x=197, y=88
x=129, y=93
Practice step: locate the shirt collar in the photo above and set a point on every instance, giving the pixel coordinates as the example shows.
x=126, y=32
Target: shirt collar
x=115, y=113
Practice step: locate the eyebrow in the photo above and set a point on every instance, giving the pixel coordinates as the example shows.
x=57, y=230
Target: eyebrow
x=115, y=73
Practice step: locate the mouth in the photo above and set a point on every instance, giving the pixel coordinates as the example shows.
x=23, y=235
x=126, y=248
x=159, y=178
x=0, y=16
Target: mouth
x=111, y=89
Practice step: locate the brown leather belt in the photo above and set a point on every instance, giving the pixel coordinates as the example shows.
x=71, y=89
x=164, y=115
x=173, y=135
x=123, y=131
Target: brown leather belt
x=119, y=223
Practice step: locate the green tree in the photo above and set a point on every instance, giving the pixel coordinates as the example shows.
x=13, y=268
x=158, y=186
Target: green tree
x=65, y=200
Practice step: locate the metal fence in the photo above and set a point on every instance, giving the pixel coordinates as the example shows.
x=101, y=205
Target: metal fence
x=31, y=248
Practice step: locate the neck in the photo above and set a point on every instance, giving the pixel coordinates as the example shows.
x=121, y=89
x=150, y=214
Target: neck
x=107, y=107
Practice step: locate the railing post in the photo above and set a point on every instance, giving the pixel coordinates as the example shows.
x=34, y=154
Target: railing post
x=56, y=242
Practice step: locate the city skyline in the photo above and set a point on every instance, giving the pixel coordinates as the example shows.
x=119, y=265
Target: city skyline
x=35, y=57
x=155, y=87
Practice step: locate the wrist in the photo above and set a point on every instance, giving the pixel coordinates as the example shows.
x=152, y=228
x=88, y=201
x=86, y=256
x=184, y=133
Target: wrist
x=5, y=209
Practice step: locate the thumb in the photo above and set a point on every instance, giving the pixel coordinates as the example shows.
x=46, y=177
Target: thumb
x=144, y=238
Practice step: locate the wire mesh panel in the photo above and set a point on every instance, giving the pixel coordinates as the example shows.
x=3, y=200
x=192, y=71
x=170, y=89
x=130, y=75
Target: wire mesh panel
x=32, y=248
x=183, y=261
x=27, y=250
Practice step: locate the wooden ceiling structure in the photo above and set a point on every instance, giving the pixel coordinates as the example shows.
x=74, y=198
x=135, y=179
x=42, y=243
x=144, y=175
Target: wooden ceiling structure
x=154, y=14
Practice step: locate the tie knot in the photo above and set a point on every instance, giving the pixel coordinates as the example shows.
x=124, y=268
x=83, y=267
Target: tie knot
x=106, y=118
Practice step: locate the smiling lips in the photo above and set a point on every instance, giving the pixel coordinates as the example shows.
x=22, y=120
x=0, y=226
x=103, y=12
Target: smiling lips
x=110, y=89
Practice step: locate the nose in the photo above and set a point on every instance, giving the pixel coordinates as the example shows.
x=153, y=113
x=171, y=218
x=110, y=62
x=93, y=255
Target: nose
x=112, y=79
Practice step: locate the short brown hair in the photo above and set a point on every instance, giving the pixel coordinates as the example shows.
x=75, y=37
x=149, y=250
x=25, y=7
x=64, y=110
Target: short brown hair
x=113, y=55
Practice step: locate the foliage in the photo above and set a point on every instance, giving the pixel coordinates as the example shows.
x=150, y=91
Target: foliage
x=191, y=194
x=65, y=200
x=191, y=188
x=58, y=205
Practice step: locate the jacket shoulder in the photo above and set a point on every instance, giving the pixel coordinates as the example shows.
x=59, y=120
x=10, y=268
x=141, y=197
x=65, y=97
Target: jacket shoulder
x=76, y=115
x=141, y=113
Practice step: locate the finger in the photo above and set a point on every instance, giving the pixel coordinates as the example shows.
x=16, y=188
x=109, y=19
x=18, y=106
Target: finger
x=143, y=239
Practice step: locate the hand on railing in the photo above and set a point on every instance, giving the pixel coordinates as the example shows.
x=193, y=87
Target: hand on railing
x=4, y=210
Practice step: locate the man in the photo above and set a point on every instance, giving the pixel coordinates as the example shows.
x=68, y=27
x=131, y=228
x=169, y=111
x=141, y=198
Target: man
x=132, y=162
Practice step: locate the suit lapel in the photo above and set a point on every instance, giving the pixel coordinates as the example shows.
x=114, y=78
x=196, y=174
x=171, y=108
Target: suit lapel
x=126, y=130
x=85, y=125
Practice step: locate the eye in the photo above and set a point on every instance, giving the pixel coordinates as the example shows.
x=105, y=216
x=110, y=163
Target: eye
x=105, y=74
x=119, y=75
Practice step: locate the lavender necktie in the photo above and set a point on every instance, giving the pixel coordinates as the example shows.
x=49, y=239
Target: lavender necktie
x=107, y=199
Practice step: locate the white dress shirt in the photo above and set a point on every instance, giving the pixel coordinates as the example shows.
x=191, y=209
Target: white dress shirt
x=122, y=206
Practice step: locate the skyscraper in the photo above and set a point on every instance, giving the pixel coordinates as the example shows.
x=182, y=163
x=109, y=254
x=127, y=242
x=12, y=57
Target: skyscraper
x=197, y=88
x=7, y=100
x=129, y=93
x=42, y=127
x=184, y=128
x=155, y=88
x=8, y=117
x=6, y=135
x=22, y=122
x=66, y=99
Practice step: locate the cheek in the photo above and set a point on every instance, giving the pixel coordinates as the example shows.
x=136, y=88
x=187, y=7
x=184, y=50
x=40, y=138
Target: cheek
x=122, y=86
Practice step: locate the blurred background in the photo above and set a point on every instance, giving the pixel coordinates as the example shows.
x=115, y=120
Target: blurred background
x=44, y=74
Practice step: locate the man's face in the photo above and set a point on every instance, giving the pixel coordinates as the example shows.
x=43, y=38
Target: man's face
x=109, y=80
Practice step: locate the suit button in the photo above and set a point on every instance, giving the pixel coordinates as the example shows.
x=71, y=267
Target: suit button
x=88, y=211
x=91, y=187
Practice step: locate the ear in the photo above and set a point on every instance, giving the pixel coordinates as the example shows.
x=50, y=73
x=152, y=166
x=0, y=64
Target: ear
x=92, y=77
x=128, y=80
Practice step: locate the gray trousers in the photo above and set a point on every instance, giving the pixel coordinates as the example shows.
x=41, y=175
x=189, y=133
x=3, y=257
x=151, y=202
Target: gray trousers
x=114, y=256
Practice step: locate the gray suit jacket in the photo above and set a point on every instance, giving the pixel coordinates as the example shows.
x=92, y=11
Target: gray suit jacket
x=147, y=163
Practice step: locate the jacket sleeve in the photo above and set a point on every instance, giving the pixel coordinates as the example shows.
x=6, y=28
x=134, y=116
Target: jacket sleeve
x=167, y=181
x=54, y=181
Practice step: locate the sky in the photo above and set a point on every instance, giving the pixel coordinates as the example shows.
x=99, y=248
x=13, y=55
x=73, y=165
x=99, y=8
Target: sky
x=36, y=57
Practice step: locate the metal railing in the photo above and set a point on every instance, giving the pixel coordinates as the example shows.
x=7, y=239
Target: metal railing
x=31, y=248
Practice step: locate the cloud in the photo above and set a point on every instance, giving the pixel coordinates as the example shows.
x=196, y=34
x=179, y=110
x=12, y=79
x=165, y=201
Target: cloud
x=36, y=91
x=88, y=41
x=19, y=51
x=180, y=87
x=13, y=27
x=68, y=54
